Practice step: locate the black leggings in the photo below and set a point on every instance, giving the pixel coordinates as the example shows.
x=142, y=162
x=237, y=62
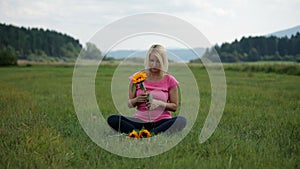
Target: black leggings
x=130, y=123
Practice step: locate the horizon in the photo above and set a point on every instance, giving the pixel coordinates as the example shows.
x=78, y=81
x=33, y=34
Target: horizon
x=219, y=22
x=176, y=47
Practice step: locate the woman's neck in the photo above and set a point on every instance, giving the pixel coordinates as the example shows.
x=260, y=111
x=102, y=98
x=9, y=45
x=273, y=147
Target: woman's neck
x=155, y=76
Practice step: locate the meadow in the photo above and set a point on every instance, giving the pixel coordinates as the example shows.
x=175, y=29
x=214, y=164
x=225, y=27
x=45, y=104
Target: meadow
x=260, y=126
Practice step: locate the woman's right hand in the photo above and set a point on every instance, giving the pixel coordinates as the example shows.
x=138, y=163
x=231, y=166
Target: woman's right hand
x=142, y=98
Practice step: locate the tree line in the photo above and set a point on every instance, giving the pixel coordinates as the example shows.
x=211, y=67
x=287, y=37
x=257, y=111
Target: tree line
x=259, y=48
x=37, y=44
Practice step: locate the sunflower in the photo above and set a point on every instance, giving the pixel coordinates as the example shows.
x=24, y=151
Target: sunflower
x=139, y=77
x=144, y=134
x=133, y=134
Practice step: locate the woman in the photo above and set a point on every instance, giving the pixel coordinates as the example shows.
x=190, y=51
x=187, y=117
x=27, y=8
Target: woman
x=155, y=114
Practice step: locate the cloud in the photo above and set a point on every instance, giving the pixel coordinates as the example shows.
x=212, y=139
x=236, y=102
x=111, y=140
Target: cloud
x=208, y=8
x=220, y=21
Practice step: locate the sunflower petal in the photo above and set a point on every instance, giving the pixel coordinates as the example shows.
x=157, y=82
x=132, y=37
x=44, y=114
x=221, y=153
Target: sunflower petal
x=133, y=134
x=139, y=77
x=144, y=134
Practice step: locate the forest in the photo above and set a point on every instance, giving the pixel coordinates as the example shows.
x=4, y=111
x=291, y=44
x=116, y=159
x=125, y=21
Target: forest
x=37, y=44
x=259, y=48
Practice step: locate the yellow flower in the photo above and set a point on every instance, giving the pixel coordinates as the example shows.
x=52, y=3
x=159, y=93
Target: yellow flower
x=144, y=134
x=133, y=134
x=139, y=77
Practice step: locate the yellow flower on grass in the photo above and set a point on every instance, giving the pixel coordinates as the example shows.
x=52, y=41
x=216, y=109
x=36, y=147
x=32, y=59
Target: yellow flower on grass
x=133, y=134
x=139, y=77
x=144, y=134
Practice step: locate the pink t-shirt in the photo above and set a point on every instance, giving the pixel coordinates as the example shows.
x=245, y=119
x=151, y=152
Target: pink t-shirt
x=160, y=91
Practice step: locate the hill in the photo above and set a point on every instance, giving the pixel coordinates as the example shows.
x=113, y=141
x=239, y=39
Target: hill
x=176, y=55
x=286, y=32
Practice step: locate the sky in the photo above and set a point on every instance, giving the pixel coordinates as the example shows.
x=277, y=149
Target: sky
x=219, y=21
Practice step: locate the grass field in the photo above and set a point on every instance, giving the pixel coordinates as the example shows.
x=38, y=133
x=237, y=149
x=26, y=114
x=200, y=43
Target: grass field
x=260, y=127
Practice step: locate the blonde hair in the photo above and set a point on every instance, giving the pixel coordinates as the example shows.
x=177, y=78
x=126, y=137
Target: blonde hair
x=161, y=54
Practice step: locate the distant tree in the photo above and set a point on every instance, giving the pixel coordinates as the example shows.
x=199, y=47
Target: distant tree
x=8, y=57
x=283, y=46
x=295, y=43
x=68, y=50
x=253, y=55
x=107, y=58
x=210, y=54
x=91, y=52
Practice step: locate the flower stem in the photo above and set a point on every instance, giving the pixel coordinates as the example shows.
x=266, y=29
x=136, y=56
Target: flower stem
x=148, y=111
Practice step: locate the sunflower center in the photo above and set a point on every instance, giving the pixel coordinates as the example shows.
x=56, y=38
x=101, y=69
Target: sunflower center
x=144, y=134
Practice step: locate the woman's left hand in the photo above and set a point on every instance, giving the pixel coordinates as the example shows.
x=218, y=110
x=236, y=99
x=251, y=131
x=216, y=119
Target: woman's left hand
x=155, y=104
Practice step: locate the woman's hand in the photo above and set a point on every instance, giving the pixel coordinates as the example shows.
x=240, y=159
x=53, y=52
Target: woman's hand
x=155, y=104
x=142, y=98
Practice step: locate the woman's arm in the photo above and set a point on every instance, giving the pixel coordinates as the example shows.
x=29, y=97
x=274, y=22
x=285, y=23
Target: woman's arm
x=171, y=105
x=134, y=100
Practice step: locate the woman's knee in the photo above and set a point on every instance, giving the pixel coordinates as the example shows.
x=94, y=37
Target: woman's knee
x=178, y=124
x=112, y=119
x=181, y=121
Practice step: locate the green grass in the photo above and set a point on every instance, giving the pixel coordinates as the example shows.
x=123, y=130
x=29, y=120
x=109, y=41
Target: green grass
x=39, y=127
x=289, y=68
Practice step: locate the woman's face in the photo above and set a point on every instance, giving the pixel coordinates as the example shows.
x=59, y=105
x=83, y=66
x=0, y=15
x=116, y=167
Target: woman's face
x=154, y=63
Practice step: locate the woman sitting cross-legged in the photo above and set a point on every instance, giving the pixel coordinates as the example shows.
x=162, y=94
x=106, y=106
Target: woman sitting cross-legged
x=154, y=113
